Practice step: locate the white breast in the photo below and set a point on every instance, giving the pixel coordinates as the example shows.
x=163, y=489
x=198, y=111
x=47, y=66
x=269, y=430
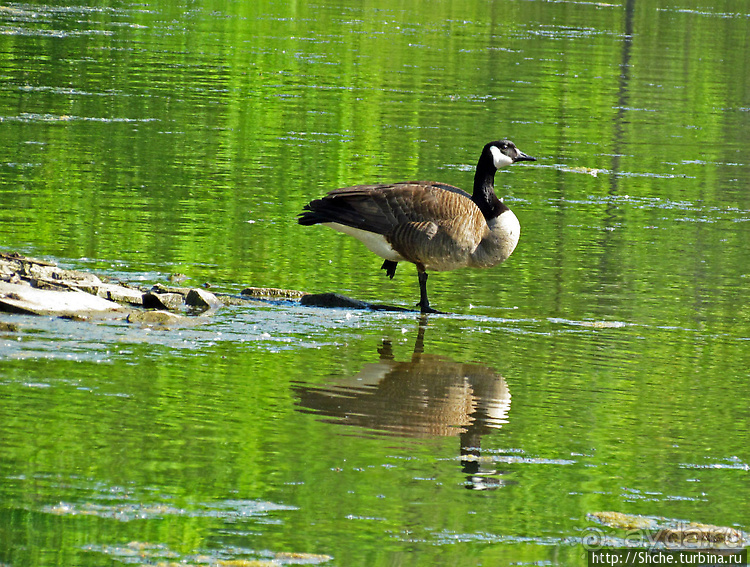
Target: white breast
x=508, y=226
x=495, y=248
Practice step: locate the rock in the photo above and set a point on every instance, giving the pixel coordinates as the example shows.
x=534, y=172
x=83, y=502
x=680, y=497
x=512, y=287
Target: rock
x=202, y=299
x=332, y=300
x=696, y=534
x=117, y=293
x=673, y=533
x=21, y=298
x=272, y=292
x=45, y=272
x=336, y=300
x=159, y=318
x=302, y=558
x=161, y=288
x=623, y=521
x=172, y=301
x=40, y=287
x=45, y=275
x=8, y=327
x=228, y=299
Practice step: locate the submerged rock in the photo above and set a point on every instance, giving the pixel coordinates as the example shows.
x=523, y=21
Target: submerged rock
x=697, y=534
x=272, y=292
x=297, y=557
x=336, y=300
x=674, y=533
x=177, y=278
x=332, y=300
x=159, y=318
x=624, y=521
x=8, y=327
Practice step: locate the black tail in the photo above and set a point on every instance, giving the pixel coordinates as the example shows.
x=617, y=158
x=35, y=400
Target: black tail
x=366, y=207
x=328, y=209
x=309, y=216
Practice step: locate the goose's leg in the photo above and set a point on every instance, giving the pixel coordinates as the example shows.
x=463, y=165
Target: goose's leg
x=424, y=303
x=390, y=268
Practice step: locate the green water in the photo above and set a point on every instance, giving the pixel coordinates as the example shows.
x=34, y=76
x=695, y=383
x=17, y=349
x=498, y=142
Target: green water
x=603, y=367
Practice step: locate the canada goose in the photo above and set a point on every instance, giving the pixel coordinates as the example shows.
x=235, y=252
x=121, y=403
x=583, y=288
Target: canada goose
x=433, y=225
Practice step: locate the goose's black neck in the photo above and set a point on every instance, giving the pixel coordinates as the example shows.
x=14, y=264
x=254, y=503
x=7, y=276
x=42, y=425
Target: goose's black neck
x=484, y=189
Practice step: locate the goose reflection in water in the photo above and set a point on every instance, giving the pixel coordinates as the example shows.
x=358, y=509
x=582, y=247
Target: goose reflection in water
x=427, y=396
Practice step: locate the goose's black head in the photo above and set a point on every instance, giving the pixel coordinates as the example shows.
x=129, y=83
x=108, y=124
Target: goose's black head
x=494, y=156
x=504, y=152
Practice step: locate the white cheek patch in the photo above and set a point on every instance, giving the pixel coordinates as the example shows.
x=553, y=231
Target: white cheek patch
x=500, y=159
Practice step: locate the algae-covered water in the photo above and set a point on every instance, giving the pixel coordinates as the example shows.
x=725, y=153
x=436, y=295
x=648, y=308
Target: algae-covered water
x=602, y=368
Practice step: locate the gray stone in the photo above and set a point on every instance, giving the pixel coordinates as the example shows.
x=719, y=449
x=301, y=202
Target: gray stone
x=332, y=300
x=20, y=298
x=202, y=299
x=158, y=318
x=172, y=301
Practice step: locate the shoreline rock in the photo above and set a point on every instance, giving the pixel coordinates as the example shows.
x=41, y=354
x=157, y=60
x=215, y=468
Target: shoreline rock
x=39, y=287
x=25, y=299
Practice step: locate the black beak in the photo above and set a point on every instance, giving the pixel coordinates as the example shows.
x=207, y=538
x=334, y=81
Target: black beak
x=523, y=157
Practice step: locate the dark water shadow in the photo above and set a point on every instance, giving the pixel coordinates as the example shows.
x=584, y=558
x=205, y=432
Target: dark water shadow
x=426, y=396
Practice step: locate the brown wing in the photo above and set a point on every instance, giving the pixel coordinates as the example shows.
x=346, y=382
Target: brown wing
x=428, y=223
x=381, y=208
